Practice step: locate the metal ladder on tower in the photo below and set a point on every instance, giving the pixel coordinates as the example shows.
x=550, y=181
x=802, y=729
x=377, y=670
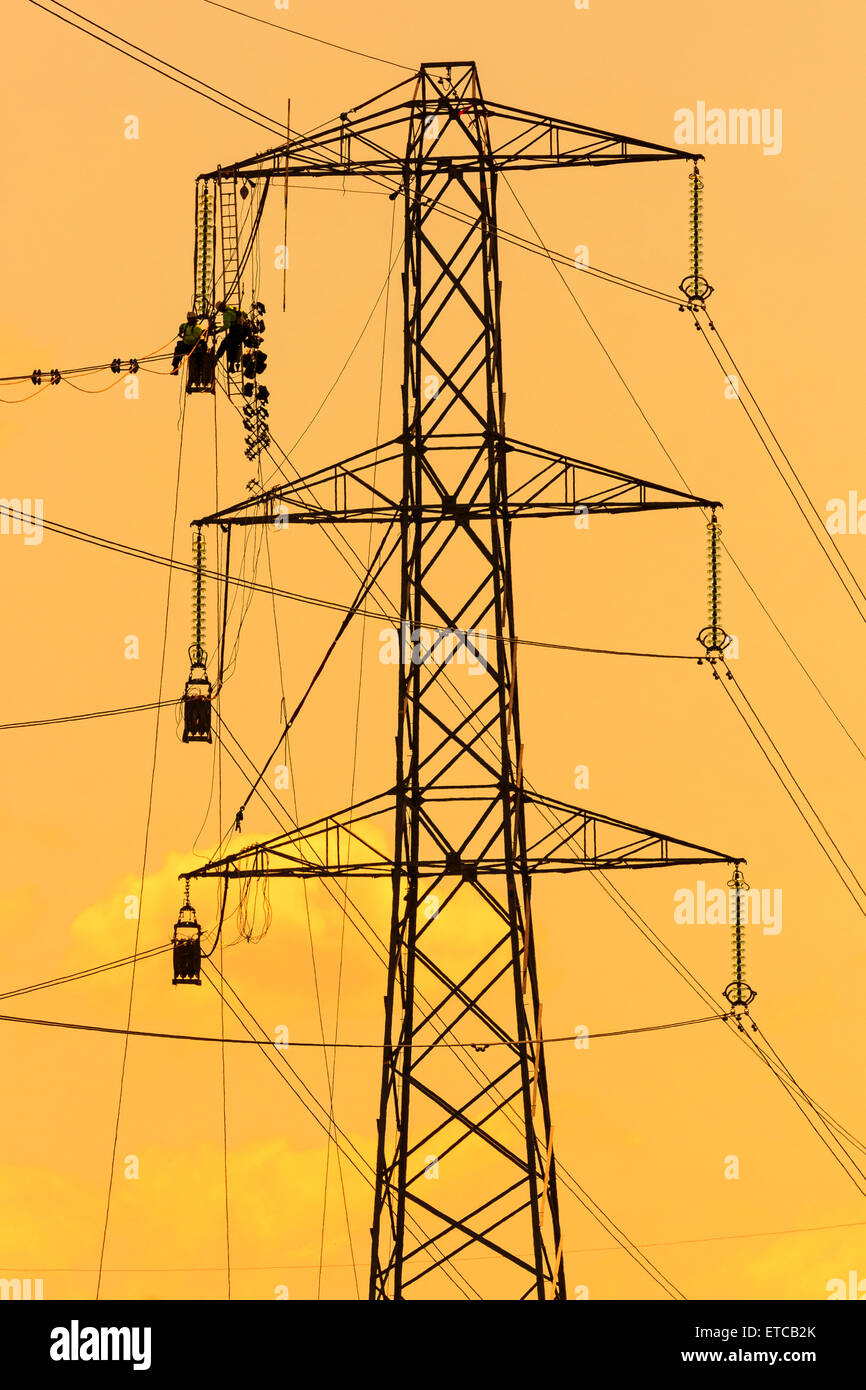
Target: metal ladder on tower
x=229, y=245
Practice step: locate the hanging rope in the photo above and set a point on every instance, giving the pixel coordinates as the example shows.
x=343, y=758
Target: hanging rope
x=247, y=913
x=143, y=872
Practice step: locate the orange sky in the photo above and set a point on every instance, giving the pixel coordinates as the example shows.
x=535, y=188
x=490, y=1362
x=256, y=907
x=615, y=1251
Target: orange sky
x=97, y=242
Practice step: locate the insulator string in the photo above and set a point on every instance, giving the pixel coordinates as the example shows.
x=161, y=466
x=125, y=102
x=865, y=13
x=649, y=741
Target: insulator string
x=713, y=637
x=198, y=655
x=695, y=286
x=738, y=993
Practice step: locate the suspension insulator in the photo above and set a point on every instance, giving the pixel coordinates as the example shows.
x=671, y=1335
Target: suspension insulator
x=204, y=236
x=695, y=286
x=186, y=945
x=739, y=994
x=713, y=637
x=199, y=601
x=198, y=691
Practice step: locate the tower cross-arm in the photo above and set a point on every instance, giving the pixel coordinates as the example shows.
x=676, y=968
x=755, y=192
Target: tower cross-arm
x=371, y=141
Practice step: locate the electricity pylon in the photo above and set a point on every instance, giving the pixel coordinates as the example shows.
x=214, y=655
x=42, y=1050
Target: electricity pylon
x=466, y=824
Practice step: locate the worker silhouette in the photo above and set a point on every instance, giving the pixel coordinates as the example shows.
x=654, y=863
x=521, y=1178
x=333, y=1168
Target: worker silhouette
x=235, y=324
x=188, y=335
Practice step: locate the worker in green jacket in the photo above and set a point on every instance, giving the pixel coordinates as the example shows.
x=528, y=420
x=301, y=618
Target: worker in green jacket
x=235, y=324
x=188, y=334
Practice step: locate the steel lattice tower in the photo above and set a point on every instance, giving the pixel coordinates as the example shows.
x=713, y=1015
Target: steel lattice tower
x=466, y=825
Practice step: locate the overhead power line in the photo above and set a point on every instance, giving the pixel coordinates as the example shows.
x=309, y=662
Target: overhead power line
x=809, y=512
x=780, y=767
x=86, y=973
x=91, y=714
x=832, y=1143
x=238, y=581
x=117, y=365
x=582, y=1250
x=320, y=1045
x=313, y=38
x=163, y=68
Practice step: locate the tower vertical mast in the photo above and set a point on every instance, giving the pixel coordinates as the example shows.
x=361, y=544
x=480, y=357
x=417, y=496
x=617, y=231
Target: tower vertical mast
x=454, y=454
